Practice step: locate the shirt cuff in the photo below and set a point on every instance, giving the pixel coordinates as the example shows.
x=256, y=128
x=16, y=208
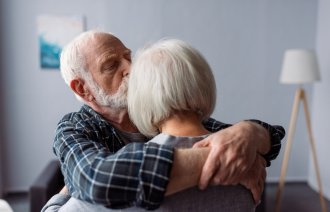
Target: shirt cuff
x=276, y=134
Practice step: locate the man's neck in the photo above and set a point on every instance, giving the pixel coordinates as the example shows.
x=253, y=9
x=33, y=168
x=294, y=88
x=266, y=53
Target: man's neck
x=117, y=117
x=183, y=124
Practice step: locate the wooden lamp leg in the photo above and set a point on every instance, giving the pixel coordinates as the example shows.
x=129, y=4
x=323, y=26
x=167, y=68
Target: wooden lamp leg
x=312, y=142
x=292, y=127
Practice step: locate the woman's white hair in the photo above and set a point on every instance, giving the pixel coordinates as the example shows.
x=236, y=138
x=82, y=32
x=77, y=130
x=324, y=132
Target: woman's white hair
x=167, y=77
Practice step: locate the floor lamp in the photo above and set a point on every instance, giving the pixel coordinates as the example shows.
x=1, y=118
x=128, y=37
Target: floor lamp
x=299, y=67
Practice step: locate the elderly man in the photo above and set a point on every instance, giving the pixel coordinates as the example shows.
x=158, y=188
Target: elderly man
x=105, y=160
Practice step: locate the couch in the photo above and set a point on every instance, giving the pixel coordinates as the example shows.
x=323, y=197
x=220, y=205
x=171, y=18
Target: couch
x=50, y=181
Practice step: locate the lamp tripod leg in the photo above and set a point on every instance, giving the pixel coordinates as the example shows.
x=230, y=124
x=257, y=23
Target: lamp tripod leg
x=292, y=128
x=312, y=142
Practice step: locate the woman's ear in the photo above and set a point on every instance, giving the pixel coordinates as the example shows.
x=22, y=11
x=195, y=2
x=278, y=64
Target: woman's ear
x=78, y=86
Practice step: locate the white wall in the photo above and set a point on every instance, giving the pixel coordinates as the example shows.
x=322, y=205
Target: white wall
x=321, y=101
x=2, y=125
x=243, y=41
x=1, y=150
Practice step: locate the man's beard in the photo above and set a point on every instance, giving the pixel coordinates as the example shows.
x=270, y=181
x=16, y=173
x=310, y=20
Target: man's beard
x=115, y=101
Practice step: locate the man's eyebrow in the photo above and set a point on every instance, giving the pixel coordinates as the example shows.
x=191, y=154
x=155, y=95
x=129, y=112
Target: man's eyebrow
x=107, y=57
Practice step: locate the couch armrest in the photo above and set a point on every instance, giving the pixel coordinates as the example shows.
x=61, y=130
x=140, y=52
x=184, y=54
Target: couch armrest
x=48, y=183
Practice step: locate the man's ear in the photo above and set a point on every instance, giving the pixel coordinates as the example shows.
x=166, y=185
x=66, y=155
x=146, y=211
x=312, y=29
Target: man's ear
x=78, y=86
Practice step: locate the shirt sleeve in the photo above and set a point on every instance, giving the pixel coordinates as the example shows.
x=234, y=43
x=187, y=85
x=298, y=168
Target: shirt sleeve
x=137, y=174
x=276, y=134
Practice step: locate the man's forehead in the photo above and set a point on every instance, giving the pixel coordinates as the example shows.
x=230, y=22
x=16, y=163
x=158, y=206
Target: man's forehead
x=112, y=45
x=109, y=40
x=104, y=44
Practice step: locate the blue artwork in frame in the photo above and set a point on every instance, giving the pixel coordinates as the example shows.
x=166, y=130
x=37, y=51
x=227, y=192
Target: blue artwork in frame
x=54, y=32
x=49, y=53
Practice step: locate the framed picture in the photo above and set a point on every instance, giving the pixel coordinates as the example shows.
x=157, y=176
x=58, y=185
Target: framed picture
x=54, y=32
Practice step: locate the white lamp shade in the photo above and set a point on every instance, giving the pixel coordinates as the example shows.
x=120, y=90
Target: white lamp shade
x=299, y=66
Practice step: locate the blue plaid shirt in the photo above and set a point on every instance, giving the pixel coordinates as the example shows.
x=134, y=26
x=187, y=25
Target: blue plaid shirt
x=99, y=167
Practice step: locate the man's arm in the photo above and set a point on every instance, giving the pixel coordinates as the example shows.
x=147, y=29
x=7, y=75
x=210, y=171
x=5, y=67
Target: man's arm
x=186, y=169
x=276, y=134
x=234, y=151
x=243, y=140
x=188, y=164
x=254, y=180
x=136, y=174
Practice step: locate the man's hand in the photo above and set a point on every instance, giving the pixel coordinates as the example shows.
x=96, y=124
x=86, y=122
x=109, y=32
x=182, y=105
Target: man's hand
x=254, y=179
x=64, y=190
x=233, y=152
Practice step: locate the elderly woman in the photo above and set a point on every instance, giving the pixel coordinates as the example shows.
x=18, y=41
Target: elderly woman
x=171, y=91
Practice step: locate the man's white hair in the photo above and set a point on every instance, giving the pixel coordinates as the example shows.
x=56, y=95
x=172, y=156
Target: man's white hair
x=167, y=77
x=73, y=60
